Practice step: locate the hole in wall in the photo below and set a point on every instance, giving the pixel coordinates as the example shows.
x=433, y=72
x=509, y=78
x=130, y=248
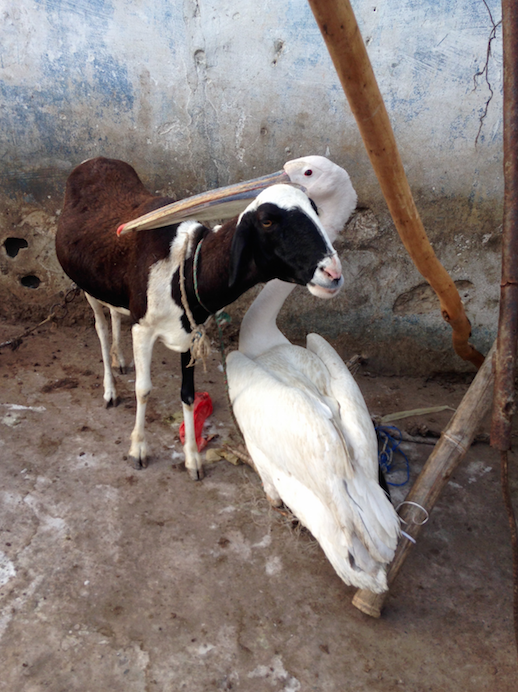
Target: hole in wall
x=30, y=281
x=14, y=245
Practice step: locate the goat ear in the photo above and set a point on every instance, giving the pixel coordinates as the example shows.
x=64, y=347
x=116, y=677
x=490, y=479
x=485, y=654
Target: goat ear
x=240, y=242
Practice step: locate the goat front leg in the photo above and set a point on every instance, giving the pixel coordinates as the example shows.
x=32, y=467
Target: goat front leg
x=101, y=327
x=193, y=462
x=143, y=342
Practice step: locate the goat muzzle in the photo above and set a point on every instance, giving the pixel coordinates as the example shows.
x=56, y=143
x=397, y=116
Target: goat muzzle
x=327, y=279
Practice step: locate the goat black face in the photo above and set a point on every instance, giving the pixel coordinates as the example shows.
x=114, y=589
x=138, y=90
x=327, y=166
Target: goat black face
x=282, y=243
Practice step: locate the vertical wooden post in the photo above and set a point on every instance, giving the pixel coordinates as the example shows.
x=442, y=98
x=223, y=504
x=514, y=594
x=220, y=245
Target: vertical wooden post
x=505, y=363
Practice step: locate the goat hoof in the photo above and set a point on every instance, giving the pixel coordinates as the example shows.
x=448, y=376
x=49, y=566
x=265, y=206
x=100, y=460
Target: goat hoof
x=196, y=474
x=138, y=464
x=112, y=403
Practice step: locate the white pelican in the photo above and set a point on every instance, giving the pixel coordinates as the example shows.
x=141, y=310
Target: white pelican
x=304, y=419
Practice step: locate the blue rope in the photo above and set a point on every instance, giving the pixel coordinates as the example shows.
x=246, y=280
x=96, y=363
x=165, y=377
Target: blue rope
x=390, y=446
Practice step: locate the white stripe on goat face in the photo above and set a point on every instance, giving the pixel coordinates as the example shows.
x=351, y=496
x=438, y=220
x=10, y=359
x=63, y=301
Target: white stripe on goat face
x=288, y=197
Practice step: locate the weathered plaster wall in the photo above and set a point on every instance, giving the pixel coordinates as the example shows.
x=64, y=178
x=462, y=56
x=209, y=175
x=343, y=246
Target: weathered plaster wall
x=197, y=94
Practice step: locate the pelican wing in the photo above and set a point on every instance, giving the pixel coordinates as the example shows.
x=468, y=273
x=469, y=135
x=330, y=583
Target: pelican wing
x=281, y=413
x=355, y=419
x=347, y=553
x=287, y=416
x=284, y=406
x=358, y=429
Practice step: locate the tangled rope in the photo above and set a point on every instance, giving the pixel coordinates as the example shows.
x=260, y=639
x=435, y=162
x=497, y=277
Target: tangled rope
x=390, y=446
x=200, y=342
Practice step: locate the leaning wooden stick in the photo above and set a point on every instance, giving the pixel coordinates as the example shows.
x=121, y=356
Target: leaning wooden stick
x=455, y=441
x=345, y=44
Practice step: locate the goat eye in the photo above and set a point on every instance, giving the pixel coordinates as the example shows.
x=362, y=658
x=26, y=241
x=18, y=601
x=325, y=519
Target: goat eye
x=266, y=223
x=308, y=172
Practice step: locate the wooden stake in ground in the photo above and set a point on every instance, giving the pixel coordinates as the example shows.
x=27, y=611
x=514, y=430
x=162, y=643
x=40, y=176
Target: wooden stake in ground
x=505, y=363
x=455, y=441
x=343, y=39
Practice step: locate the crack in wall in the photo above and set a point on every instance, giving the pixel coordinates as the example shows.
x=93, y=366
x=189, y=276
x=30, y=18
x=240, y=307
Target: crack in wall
x=484, y=72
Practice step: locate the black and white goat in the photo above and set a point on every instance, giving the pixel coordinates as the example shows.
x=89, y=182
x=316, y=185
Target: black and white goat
x=278, y=235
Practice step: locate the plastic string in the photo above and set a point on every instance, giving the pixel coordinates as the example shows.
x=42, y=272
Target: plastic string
x=391, y=438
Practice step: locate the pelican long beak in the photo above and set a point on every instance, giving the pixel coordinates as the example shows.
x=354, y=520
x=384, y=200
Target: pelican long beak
x=222, y=203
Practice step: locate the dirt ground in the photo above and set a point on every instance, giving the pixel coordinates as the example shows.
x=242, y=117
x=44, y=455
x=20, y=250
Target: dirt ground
x=116, y=579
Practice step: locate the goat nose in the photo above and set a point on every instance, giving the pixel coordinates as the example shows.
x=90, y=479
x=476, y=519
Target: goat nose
x=332, y=267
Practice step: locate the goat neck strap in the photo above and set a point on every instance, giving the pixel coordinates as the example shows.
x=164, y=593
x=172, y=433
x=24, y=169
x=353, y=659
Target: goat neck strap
x=195, y=276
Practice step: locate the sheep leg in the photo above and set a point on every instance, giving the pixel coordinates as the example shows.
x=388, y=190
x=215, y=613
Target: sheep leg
x=116, y=354
x=101, y=327
x=193, y=462
x=143, y=342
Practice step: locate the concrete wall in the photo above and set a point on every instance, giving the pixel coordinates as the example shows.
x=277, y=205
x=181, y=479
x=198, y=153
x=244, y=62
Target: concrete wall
x=197, y=94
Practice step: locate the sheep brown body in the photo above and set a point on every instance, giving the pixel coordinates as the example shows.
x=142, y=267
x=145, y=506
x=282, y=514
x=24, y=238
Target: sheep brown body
x=137, y=273
x=100, y=194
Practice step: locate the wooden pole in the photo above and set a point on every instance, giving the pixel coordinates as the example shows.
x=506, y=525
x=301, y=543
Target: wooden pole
x=454, y=442
x=504, y=406
x=505, y=366
x=343, y=39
